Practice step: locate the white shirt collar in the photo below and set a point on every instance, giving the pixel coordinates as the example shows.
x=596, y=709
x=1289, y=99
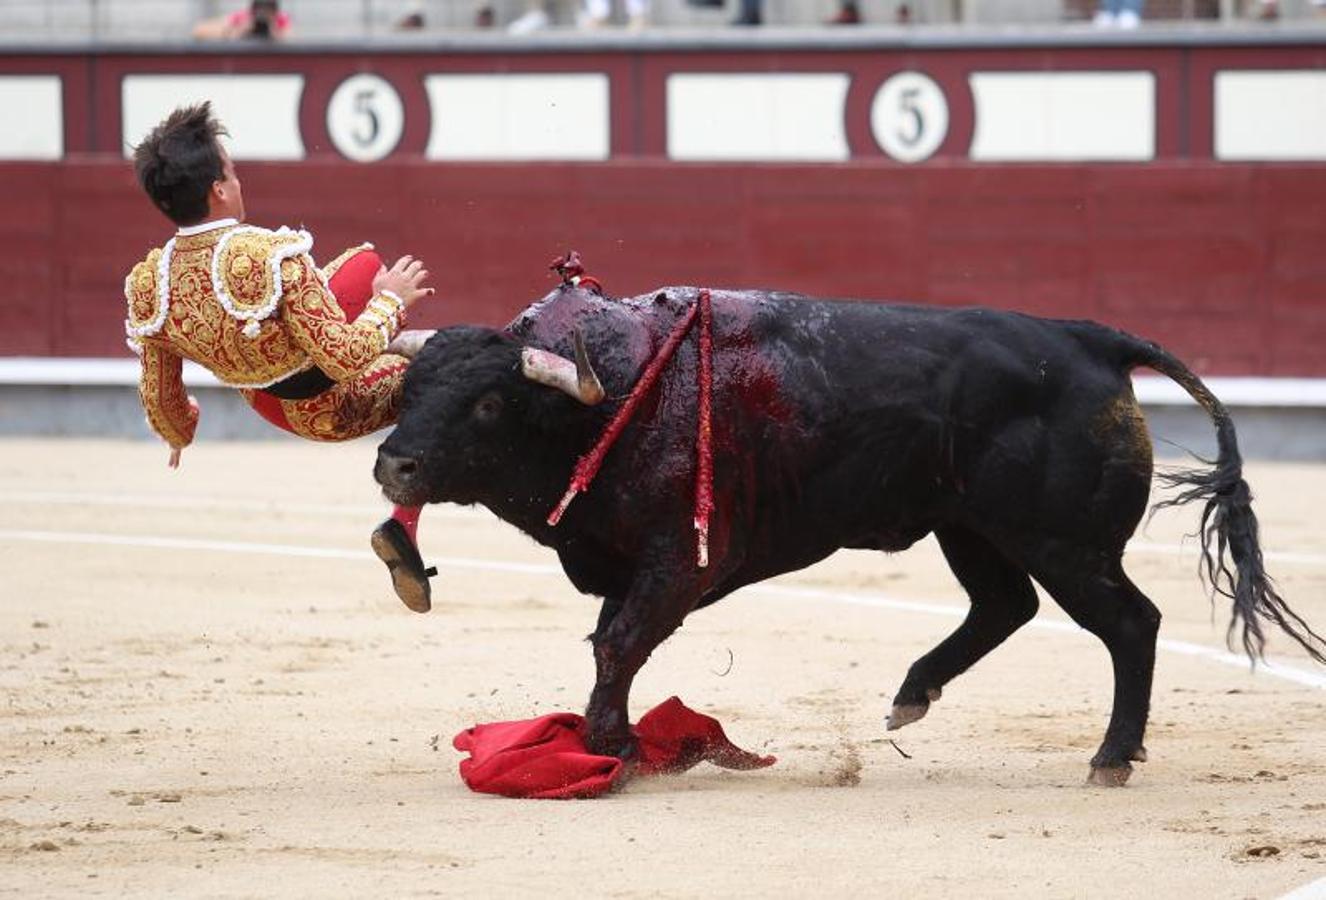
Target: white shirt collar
x=206, y=226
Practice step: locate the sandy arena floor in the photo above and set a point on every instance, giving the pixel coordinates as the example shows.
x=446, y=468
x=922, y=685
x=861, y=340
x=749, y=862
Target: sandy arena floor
x=209, y=690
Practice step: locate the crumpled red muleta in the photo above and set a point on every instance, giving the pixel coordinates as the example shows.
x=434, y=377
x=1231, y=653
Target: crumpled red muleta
x=545, y=758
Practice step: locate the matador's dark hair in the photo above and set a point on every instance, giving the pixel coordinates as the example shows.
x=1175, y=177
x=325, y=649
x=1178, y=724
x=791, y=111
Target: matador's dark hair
x=178, y=161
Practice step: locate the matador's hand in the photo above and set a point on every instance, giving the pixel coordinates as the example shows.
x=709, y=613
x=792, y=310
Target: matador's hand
x=405, y=279
x=174, y=461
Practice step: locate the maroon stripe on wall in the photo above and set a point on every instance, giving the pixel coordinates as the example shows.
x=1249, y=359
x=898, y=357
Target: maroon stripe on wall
x=1222, y=263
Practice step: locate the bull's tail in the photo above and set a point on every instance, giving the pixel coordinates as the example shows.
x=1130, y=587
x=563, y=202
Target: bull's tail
x=1231, y=553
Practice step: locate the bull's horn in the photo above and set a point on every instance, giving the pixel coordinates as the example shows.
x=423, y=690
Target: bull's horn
x=576, y=379
x=591, y=390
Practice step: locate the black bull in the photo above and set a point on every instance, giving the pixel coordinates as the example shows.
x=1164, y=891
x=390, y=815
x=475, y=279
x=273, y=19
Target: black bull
x=1015, y=440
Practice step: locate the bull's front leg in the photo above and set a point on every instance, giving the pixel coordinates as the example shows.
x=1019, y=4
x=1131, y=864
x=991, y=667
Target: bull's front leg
x=627, y=634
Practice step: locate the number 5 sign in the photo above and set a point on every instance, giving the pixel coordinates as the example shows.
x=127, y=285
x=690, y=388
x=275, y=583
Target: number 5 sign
x=365, y=117
x=909, y=116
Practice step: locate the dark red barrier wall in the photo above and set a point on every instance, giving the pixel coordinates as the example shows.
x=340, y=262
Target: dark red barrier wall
x=1225, y=264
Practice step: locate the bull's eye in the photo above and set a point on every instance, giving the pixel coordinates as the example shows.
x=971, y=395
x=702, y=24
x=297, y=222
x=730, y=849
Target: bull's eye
x=488, y=408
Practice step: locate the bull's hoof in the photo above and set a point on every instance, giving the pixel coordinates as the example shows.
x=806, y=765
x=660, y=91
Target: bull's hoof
x=625, y=749
x=905, y=714
x=1110, y=776
x=1139, y=755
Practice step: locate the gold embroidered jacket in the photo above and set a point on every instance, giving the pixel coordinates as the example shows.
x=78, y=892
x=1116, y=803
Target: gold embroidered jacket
x=248, y=304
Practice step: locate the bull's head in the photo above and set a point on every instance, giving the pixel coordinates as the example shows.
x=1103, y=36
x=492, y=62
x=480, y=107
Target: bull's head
x=473, y=401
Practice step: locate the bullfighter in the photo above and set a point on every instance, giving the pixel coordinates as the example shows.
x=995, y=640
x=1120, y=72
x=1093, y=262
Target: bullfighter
x=318, y=352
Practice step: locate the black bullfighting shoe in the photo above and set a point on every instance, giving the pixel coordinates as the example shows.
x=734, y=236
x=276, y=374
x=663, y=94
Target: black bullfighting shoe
x=408, y=576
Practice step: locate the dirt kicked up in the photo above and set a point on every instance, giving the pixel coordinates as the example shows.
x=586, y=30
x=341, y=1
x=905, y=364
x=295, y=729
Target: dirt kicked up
x=207, y=689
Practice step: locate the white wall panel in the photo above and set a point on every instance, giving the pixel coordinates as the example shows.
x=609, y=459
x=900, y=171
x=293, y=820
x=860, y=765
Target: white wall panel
x=757, y=116
x=1064, y=116
x=1270, y=115
x=33, y=107
x=261, y=112
x=519, y=116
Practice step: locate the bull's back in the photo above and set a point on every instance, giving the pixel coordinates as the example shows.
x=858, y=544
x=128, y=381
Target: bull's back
x=977, y=367
x=907, y=417
x=878, y=352
x=846, y=423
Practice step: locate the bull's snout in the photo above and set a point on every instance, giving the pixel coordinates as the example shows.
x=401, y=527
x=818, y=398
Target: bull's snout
x=396, y=472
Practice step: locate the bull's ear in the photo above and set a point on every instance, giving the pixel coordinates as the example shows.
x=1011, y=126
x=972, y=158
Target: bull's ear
x=576, y=379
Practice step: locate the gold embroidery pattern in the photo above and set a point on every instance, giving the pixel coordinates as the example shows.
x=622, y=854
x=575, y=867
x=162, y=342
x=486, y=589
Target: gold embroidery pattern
x=243, y=271
x=199, y=328
x=307, y=328
x=140, y=290
x=353, y=408
x=341, y=349
x=164, y=398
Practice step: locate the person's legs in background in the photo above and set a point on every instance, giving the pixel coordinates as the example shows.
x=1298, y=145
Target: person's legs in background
x=1118, y=14
x=637, y=14
x=535, y=18
x=749, y=12
x=596, y=13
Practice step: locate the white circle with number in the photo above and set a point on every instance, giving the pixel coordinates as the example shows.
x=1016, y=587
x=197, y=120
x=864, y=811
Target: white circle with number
x=365, y=117
x=909, y=116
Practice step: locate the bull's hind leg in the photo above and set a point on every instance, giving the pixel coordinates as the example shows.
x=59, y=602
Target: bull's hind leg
x=1101, y=598
x=1002, y=600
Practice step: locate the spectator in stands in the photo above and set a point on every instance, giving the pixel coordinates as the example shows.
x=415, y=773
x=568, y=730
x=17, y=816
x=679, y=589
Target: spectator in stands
x=750, y=12
x=848, y=14
x=596, y=13
x=262, y=21
x=413, y=20
x=535, y=18
x=1118, y=14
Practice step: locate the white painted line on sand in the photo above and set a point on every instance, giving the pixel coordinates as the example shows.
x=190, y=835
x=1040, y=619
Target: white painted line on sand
x=881, y=601
x=371, y=512
x=1183, y=648
x=450, y=511
x=1315, y=890
x=208, y=545
x=1191, y=548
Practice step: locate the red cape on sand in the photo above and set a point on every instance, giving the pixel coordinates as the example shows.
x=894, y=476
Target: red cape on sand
x=545, y=758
